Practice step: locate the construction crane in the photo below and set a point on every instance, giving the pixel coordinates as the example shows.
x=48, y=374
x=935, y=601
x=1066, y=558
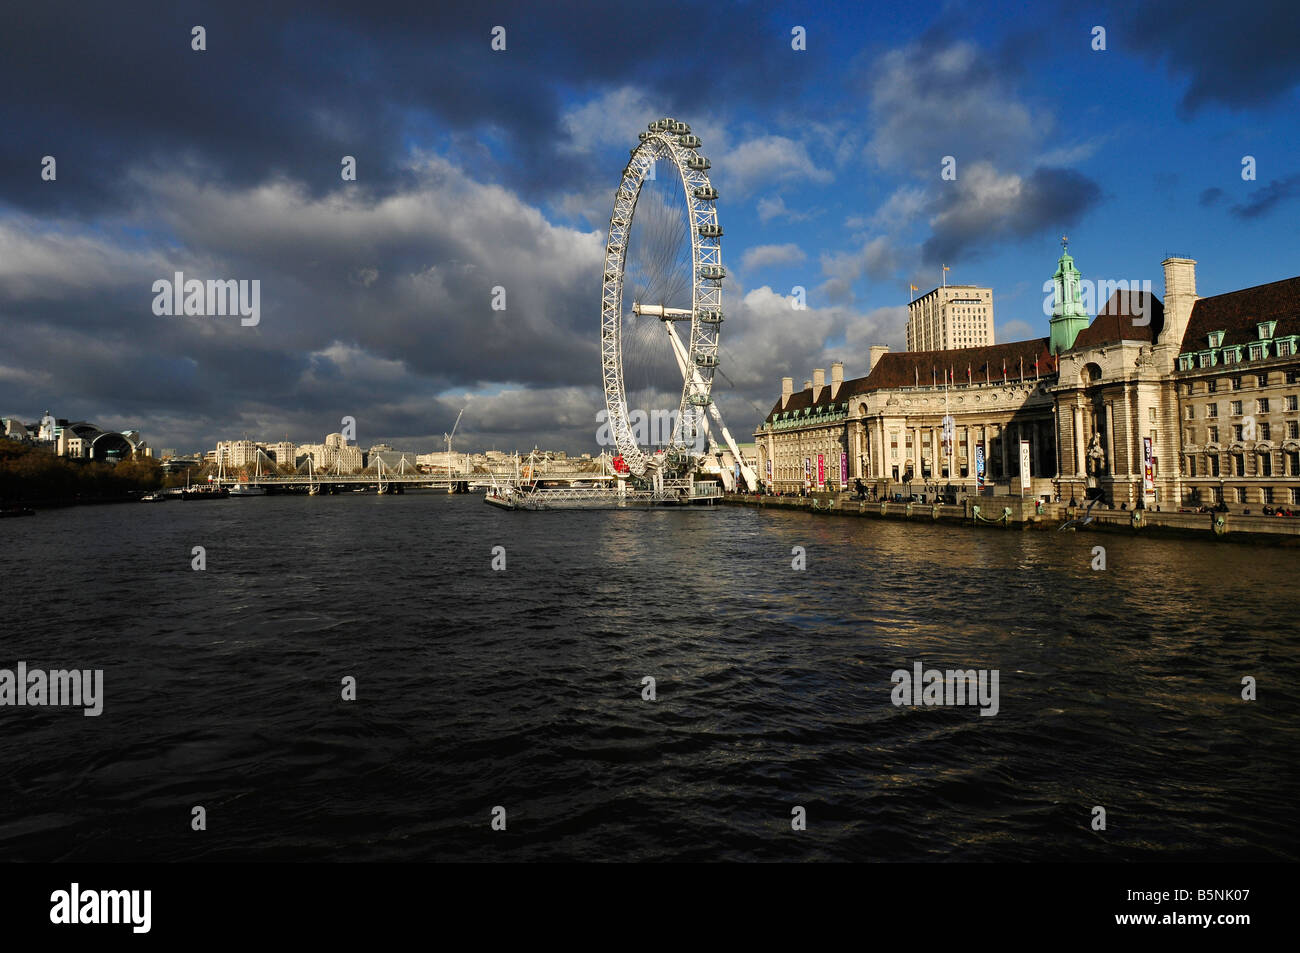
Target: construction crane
x=448, y=436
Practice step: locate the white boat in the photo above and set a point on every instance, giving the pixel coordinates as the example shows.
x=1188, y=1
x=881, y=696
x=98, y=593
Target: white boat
x=247, y=489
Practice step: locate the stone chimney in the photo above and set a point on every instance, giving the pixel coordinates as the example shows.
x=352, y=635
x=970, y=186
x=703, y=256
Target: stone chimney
x=1180, y=295
x=818, y=382
x=876, y=351
x=807, y=385
x=837, y=377
x=787, y=391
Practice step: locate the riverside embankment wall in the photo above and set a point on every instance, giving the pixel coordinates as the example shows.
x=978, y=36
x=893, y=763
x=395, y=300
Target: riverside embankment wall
x=1012, y=513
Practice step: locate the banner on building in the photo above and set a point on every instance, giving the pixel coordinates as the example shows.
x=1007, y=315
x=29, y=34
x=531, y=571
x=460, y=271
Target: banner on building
x=821, y=469
x=979, y=465
x=1148, y=469
x=1024, y=464
x=769, y=469
x=807, y=470
x=844, y=468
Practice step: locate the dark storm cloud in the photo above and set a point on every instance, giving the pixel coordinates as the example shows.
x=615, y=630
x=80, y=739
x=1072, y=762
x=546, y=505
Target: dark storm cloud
x=362, y=299
x=1268, y=197
x=376, y=294
x=1235, y=55
x=289, y=89
x=985, y=207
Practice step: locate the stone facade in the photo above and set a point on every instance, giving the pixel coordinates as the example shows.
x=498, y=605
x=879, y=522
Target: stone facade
x=1238, y=398
x=803, y=427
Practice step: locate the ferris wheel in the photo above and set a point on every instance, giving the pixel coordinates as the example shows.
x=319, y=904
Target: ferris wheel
x=665, y=247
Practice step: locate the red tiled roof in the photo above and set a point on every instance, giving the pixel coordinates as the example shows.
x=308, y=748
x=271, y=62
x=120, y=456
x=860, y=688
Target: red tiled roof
x=1238, y=312
x=1118, y=321
x=906, y=368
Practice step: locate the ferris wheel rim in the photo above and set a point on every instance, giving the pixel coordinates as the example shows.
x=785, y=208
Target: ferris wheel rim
x=667, y=139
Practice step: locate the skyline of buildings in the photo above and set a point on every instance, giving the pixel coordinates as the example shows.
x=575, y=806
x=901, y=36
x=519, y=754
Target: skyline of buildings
x=1095, y=388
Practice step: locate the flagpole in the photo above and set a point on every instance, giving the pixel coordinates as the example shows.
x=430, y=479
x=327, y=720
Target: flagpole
x=953, y=436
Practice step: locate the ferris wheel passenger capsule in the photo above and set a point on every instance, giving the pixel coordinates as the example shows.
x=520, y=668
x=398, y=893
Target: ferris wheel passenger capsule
x=706, y=193
x=699, y=400
x=679, y=128
x=710, y=317
x=713, y=272
x=691, y=142
x=704, y=359
x=710, y=230
x=698, y=163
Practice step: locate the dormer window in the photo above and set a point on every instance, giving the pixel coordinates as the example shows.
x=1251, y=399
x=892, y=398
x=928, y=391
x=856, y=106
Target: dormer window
x=1266, y=329
x=1216, y=338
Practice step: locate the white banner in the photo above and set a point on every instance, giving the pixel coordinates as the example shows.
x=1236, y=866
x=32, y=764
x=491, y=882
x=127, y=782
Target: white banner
x=1148, y=470
x=1024, y=464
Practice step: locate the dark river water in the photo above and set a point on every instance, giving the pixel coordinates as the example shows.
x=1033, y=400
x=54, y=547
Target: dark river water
x=522, y=688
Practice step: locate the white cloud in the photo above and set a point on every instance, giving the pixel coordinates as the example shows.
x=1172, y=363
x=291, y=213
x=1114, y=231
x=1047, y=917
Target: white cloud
x=775, y=208
x=765, y=256
x=901, y=209
x=766, y=161
x=610, y=119
x=983, y=195
x=61, y=260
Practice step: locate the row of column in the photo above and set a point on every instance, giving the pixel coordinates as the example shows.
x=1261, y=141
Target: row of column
x=872, y=442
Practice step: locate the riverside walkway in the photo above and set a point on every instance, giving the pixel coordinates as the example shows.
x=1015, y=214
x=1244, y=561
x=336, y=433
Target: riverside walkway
x=1013, y=513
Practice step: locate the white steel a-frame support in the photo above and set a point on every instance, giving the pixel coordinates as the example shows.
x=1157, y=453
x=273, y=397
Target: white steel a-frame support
x=690, y=374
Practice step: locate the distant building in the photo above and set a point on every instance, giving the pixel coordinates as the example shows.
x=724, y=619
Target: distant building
x=442, y=461
x=954, y=316
x=68, y=444
x=236, y=453
x=283, y=452
x=333, y=455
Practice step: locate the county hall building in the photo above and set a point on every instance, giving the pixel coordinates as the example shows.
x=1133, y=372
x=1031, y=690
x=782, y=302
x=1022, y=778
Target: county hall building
x=1171, y=403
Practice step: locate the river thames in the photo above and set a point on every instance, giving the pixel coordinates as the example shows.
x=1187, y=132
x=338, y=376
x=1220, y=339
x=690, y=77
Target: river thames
x=523, y=688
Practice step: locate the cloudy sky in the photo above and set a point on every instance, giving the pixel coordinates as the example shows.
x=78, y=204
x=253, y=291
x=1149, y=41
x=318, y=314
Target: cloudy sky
x=479, y=168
